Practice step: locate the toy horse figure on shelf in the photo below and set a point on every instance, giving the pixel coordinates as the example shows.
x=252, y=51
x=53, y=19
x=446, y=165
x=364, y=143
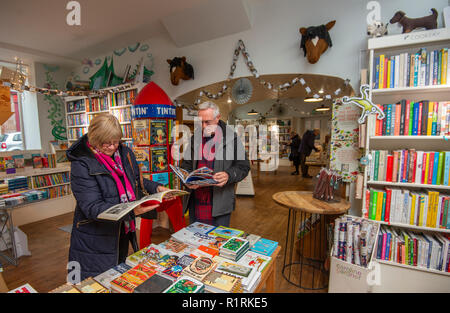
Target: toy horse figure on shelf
x=365, y=104
x=409, y=24
x=180, y=69
x=315, y=41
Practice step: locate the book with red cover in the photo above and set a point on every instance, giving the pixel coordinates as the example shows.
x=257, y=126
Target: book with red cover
x=407, y=114
x=414, y=167
x=395, y=167
x=405, y=166
x=389, y=167
x=430, y=168
x=398, y=113
x=388, y=205
x=366, y=215
x=419, y=127
x=415, y=252
x=385, y=73
x=412, y=154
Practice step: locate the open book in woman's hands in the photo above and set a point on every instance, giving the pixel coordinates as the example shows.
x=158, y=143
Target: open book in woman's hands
x=118, y=211
x=200, y=176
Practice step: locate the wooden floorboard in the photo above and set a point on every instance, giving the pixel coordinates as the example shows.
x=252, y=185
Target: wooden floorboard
x=45, y=269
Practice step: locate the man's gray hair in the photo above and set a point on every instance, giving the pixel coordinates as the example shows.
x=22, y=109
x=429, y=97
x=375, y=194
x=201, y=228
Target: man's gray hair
x=209, y=105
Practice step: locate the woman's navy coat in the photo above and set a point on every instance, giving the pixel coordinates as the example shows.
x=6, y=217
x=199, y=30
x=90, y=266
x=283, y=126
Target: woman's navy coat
x=95, y=243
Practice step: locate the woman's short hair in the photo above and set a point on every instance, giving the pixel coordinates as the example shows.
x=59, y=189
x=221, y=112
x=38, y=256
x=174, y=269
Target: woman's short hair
x=209, y=105
x=104, y=128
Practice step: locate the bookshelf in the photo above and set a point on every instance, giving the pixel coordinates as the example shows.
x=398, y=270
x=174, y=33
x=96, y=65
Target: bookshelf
x=81, y=110
x=283, y=129
x=400, y=277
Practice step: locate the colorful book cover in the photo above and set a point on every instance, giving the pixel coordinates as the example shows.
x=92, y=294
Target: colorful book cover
x=234, y=245
x=383, y=207
x=169, y=130
x=376, y=164
x=424, y=127
x=382, y=71
x=141, y=132
x=142, y=158
x=386, y=73
x=435, y=118
x=388, y=119
x=374, y=205
x=222, y=282
x=430, y=117
x=431, y=168
x=198, y=227
x=19, y=161
x=441, y=156
x=376, y=73
x=256, y=260
x=416, y=69
x=200, y=267
x=439, y=70
x=135, y=276
x=413, y=208
x=427, y=166
x=264, y=246
x=225, y=232
x=379, y=205
x=159, y=161
x=158, y=132
x=186, y=285
x=176, y=270
x=446, y=169
x=389, y=168
x=162, y=178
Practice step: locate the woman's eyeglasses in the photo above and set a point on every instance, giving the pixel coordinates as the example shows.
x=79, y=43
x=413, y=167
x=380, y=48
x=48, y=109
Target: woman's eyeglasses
x=107, y=145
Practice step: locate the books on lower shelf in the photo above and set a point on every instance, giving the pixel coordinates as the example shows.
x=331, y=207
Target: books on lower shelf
x=354, y=239
x=410, y=166
x=422, y=68
x=409, y=118
x=418, y=249
x=423, y=209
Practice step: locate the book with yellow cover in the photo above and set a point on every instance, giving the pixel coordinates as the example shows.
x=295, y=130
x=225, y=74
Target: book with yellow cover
x=413, y=208
x=430, y=208
x=379, y=206
x=66, y=288
x=427, y=167
x=389, y=64
x=89, y=285
x=141, y=135
x=431, y=105
x=421, y=208
x=382, y=69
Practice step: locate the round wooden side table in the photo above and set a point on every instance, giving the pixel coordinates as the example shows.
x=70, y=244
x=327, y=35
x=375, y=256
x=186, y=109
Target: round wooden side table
x=307, y=227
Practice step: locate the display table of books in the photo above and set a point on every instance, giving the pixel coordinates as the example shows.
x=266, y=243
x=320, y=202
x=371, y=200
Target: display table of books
x=310, y=237
x=198, y=258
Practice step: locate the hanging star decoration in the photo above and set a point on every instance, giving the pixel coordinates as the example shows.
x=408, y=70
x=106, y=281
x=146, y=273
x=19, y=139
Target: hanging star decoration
x=365, y=104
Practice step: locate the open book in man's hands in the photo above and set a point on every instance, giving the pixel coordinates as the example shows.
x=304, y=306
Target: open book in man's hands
x=118, y=211
x=200, y=176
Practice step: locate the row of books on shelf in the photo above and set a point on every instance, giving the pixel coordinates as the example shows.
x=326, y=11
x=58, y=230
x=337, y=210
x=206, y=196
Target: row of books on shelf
x=394, y=205
x=77, y=120
x=126, y=131
x=123, y=98
x=354, y=239
x=76, y=106
x=97, y=104
x=422, y=250
x=153, y=159
x=22, y=197
x=122, y=115
x=198, y=258
x=148, y=132
x=75, y=133
x=423, y=68
x=48, y=180
x=409, y=118
x=410, y=166
x=16, y=163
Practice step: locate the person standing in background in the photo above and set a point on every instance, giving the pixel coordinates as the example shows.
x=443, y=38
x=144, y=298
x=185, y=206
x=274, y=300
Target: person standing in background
x=306, y=147
x=295, y=155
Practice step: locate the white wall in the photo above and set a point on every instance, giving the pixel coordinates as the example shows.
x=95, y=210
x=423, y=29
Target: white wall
x=273, y=42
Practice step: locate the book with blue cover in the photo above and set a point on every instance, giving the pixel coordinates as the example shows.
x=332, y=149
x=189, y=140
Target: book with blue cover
x=201, y=228
x=446, y=168
x=226, y=232
x=435, y=168
x=264, y=246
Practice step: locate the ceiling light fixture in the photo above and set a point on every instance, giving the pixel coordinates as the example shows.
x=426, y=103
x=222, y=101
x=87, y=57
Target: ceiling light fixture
x=322, y=108
x=312, y=99
x=252, y=112
x=321, y=91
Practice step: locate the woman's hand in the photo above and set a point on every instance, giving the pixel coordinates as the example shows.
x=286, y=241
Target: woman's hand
x=144, y=209
x=221, y=177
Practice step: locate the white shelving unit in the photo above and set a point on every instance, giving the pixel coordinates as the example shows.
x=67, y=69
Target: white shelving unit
x=283, y=136
x=73, y=135
x=399, y=277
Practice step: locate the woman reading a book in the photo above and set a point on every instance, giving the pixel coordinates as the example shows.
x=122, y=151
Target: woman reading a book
x=104, y=173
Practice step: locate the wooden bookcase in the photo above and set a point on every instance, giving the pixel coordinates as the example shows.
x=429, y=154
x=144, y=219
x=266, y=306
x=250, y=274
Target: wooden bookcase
x=398, y=277
x=82, y=109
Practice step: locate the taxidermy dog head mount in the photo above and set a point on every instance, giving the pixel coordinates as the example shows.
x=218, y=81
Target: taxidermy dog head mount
x=409, y=24
x=180, y=69
x=377, y=29
x=315, y=41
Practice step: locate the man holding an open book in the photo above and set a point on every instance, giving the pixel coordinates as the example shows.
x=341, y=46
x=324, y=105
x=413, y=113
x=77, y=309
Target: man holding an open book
x=219, y=149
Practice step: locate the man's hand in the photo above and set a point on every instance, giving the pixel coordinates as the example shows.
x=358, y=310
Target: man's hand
x=161, y=189
x=144, y=209
x=221, y=177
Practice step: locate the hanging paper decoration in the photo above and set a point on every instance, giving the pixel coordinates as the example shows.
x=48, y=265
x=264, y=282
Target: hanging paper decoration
x=365, y=104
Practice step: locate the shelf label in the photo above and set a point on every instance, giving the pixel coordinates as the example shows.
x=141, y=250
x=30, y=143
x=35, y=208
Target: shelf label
x=153, y=111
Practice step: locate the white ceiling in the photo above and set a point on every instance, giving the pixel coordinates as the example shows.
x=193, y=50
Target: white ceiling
x=39, y=27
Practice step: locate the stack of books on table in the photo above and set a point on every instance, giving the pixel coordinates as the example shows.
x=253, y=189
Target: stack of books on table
x=265, y=247
x=17, y=183
x=189, y=262
x=234, y=248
